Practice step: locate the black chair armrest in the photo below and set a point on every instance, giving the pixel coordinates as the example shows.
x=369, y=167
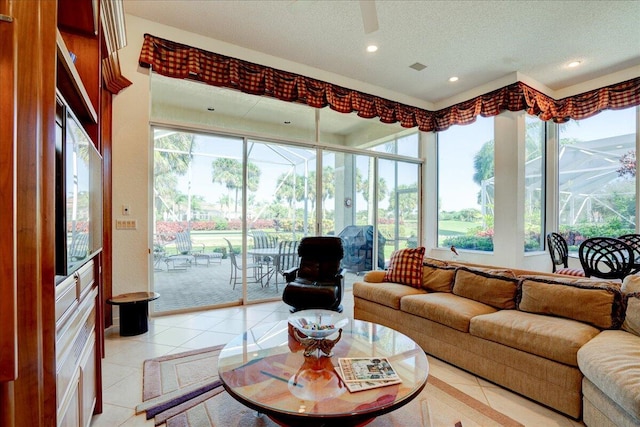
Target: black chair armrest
x=290, y=274
x=340, y=274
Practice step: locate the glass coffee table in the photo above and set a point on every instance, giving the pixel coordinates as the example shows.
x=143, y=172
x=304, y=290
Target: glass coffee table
x=265, y=369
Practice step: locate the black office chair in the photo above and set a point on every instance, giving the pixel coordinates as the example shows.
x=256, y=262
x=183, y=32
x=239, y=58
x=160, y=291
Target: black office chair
x=606, y=258
x=559, y=252
x=319, y=281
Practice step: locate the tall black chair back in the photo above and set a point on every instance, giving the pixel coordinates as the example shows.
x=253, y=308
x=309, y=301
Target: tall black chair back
x=606, y=258
x=633, y=240
x=558, y=250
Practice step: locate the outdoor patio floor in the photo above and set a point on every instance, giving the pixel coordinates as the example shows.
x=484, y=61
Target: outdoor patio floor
x=191, y=285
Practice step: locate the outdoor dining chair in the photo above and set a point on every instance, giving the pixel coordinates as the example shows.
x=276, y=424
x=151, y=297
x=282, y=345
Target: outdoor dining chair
x=236, y=268
x=287, y=257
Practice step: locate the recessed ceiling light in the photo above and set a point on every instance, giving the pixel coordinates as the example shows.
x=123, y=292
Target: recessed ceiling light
x=211, y=109
x=574, y=64
x=453, y=79
x=287, y=122
x=372, y=48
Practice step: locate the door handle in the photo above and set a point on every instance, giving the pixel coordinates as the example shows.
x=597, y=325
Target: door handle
x=5, y=18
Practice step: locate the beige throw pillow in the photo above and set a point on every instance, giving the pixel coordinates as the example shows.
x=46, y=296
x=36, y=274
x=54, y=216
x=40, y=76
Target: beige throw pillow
x=437, y=277
x=632, y=317
x=494, y=288
x=598, y=303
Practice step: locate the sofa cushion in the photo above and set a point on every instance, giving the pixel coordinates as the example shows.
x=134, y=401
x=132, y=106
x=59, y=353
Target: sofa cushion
x=496, y=288
x=598, y=303
x=445, y=308
x=632, y=315
x=405, y=267
x=546, y=336
x=385, y=293
x=437, y=277
x=631, y=283
x=611, y=361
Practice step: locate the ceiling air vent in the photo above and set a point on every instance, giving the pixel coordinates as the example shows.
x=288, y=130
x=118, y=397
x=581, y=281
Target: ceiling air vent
x=418, y=66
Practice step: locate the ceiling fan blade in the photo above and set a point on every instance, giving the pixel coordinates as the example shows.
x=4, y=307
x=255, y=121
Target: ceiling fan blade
x=369, y=16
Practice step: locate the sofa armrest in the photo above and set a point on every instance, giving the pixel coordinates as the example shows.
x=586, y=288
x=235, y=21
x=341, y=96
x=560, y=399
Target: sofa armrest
x=375, y=276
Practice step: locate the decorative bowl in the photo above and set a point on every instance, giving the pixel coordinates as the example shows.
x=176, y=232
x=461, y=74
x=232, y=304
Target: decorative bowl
x=318, y=323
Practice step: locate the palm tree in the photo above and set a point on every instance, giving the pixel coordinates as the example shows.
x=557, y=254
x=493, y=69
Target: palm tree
x=228, y=172
x=171, y=159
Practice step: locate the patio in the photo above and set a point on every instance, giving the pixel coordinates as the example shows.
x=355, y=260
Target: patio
x=185, y=285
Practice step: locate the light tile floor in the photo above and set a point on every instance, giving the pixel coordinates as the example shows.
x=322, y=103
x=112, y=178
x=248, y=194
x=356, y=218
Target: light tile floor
x=122, y=366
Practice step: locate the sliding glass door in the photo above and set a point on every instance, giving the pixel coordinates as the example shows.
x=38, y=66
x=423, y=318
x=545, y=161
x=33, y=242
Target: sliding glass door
x=228, y=213
x=197, y=219
x=281, y=205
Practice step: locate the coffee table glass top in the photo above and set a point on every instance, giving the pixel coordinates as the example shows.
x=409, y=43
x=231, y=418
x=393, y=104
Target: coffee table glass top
x=265, y=369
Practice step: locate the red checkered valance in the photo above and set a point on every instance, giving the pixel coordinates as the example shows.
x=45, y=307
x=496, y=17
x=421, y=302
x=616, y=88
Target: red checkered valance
x=185, y=62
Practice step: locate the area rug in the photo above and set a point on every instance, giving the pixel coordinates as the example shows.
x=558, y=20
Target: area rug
x=196, y=399
x=171, y=380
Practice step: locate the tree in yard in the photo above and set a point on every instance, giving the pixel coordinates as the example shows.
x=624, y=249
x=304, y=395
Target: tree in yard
x=228, y=172
x=171, y=159
x=406, y=196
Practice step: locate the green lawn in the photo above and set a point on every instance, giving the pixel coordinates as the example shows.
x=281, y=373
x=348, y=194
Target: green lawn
x=455, y=228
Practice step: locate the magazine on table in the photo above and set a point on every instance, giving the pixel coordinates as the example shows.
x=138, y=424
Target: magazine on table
x=354, y=386
x=370, y=369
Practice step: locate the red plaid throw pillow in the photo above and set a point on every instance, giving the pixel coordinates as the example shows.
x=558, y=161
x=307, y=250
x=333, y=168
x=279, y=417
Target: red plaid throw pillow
x=405, y=267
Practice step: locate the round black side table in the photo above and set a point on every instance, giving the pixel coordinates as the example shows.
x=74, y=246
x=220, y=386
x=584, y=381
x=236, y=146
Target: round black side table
x=134, y=311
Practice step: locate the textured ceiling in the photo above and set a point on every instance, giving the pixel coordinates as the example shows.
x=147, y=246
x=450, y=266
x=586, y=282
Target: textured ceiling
x=478, y=41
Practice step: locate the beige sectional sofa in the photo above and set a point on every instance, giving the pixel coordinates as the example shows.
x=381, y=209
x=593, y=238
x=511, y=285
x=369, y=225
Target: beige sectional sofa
x=558, y=340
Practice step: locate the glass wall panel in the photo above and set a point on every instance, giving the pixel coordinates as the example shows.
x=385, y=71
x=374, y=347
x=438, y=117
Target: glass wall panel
x=197, y=214
x=597, y=168
x=465, y=186
x=280, y=207
x=397, y=205
x=404, y=145
x=534, y=184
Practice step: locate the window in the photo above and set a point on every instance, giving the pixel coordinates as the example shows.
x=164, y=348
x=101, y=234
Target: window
x=465, y=186
x=535, y=138
x=406, y=145
x=597, y=167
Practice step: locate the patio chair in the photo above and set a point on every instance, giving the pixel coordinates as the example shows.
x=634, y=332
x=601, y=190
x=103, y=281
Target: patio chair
x=79, y=248
x=236, y=268
x=606, y=258
x=185, y=246
x=287, y=258
x=559, y=252
x=319, y=281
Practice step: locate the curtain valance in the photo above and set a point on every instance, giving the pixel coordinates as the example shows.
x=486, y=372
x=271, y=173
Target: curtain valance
x=177, y=60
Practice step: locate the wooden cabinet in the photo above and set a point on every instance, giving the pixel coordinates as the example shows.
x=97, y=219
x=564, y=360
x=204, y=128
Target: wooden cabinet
x=51, y=327
x=78, y=307
x=77, y=366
